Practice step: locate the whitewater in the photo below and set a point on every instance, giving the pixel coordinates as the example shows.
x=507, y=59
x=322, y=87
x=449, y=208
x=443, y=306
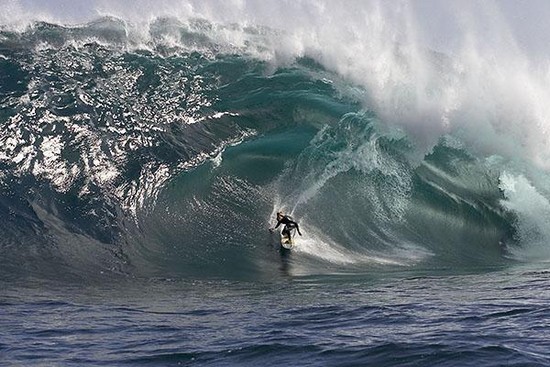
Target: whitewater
x=146, y=147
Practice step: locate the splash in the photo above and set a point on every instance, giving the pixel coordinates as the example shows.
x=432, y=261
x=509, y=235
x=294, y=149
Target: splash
x=532, y=211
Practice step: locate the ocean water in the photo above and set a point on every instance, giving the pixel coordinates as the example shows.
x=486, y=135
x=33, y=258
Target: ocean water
x=144, y=155
x=488, y=318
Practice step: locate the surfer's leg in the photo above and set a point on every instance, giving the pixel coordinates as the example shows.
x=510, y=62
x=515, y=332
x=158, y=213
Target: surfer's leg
x=286, y=232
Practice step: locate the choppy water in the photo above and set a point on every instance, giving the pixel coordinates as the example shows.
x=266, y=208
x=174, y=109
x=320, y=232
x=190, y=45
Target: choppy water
x=143, y=164
x=406, y=319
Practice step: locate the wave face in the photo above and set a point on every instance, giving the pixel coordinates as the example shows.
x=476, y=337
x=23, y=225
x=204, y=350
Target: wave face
x=166, y=148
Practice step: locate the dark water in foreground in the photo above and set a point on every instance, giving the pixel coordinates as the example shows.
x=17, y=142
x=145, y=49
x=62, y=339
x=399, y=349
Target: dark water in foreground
x=490, y=318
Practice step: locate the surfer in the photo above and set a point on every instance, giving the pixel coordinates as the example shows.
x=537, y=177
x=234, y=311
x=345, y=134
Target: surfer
x=289, y=223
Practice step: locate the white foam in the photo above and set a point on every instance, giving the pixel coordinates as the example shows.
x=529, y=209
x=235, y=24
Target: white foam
x=532, y=211
x=315, y=244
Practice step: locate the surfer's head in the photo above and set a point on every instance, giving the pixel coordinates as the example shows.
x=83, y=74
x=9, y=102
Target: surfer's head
x=280, y=214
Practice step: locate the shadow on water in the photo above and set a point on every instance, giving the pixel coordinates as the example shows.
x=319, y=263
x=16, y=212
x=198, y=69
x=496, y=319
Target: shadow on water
x=286, y=256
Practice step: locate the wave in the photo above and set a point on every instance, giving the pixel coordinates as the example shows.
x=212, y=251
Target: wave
x=168, y=151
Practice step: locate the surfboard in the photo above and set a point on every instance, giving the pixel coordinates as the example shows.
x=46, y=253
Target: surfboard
x=286, y=242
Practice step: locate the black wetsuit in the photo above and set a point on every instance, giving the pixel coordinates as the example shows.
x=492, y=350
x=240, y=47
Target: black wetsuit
x=289, y=226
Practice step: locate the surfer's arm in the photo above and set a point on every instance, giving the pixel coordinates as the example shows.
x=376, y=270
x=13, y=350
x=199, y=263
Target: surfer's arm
x=298, y=228
x=273, y=228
